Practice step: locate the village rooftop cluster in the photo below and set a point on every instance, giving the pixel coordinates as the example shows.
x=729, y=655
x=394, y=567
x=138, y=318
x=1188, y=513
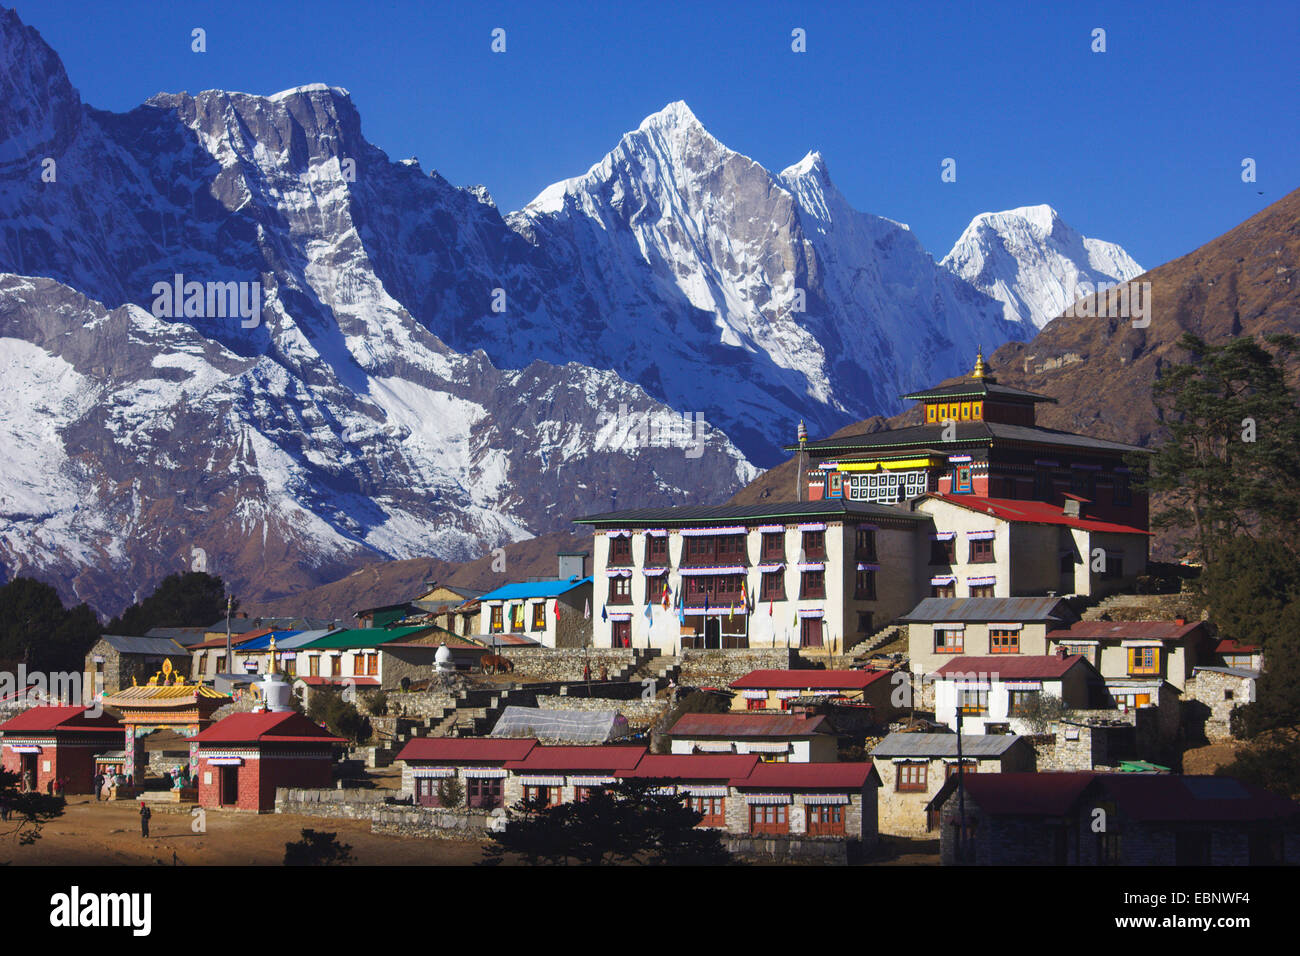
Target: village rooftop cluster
x=937, y=635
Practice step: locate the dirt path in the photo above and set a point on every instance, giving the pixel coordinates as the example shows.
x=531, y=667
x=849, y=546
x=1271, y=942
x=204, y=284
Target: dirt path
x=90, y=834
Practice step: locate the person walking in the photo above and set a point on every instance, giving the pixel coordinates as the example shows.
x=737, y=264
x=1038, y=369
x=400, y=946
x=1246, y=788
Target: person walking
x=145, y=814
x=96, y=786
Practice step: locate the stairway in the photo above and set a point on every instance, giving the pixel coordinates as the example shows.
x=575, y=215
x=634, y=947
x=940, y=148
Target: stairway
x=885, y=635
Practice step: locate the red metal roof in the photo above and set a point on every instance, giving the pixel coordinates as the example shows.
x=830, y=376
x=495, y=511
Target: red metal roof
x=1230, y=645
x=1034, y=512
x=266, y=727
x=1155, y=797
x=1129, y=630
x=748, y=725
x=467, y=749
x=808, y=680
x=51, y=719
x=724, y=767
x=1010, y=666
x=1024, y=794
x=810, y=776
x=1168, y=797
x=579, y=758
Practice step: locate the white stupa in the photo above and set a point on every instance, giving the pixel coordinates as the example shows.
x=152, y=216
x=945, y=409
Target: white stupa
x=442, y=661
x=275, y=688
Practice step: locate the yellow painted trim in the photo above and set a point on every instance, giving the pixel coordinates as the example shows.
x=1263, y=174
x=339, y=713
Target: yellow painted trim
x=889, y=465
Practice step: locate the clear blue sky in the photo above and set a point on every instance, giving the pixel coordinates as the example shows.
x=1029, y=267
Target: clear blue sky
x=1141, y=145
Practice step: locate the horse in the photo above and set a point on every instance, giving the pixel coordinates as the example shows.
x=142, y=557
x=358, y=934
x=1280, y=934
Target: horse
x=497, y=664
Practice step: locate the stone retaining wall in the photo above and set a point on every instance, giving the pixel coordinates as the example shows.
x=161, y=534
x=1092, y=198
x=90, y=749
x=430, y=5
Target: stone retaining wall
x=823, y=851
x=432, y=822
x=720, y=668
x=639, y=713
x=352, y=804
x=424, y=703
x=565, y=663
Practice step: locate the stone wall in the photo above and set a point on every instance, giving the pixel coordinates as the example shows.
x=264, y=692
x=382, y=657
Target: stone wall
x=353, y=804
x=432, y=822
x=821, y=851
x=564, y=663
x=1209, y=700
x=425, y=703
x=704, y=668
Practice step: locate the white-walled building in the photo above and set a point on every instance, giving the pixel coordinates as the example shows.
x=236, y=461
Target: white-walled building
x=802, y=574
x=992, y=692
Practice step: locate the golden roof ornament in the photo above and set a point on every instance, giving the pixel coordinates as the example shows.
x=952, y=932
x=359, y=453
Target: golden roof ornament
x=980, y=369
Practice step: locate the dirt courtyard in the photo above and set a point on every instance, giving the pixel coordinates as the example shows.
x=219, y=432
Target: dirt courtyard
x=108, y=834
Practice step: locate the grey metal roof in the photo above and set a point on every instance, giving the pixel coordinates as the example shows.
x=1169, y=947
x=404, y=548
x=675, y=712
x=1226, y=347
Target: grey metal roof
x=694, y=514
x=944, y=745
x=1231, y=671
x=938, y=610
x=125, y=644
x=981, y=386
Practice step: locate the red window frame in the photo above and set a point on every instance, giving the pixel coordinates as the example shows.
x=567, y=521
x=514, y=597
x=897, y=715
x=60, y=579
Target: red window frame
x=753, y=703
x=654, y=587
x=814, y=545
x=656, y=551
x=620, y=552
x=714, y=810
x=943, y=552
x=773, y=547
x=825, y=819
x=865, y=586
x=486, y=793
x=812, y=584
x=981, y=551
x=958, y=647
x=769, y=818
x=912, y=778
x=552, y=794
x=620, y=590
x=772, y=586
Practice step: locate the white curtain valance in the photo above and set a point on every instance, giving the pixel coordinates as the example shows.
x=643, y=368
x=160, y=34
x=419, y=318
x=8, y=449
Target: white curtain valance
x=620, y=615
x=763, y=747
x=943, y=535
x=814, y=526
x=959, y=459
x=484, y=773
x=990, y=579
x=788, y=694
x=763, y=799
x=542, y=781
x=753, y=695
x=655, y=533
x=826, y=799
x=714, y=746
x=590, y=781
x=1024, y=685
x=705, y=791
x=813, y=566
x=706, y=532
x=980, y=535
x=436, y=773
x=868, y=567
x=689, y=572
x=1006, y=627
x=770, y=528
x=942, y=579
x=623, y=533
x=653, y=572
x=619, y=574
x=811, y=612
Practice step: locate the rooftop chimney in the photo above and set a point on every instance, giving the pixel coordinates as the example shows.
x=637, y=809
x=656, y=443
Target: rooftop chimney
x=1180, y=620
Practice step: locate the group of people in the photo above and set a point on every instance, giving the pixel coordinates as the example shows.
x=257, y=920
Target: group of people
x=106, y=784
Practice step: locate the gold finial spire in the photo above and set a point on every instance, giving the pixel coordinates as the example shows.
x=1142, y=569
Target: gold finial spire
x=980, y=368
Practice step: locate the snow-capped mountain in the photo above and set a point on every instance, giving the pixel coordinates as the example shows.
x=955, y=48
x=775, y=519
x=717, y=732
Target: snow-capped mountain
x=756, y=298
x=424, y=376
x=1031, y=261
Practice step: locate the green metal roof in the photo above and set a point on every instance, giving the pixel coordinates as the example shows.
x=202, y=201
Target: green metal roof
x=366, y=637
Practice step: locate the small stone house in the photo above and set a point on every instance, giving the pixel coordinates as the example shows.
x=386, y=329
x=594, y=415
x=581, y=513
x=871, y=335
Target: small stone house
x=834, y=801
x=478, y=763
x=1212, y=694
x=914, y=767
x=705, y=777
x=1126, y=819
x=777, y=738
x=556, y=775
x=116, y=661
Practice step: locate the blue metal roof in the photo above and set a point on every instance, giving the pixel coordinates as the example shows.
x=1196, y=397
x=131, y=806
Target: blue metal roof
x=534, y=589
x=263, y=642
